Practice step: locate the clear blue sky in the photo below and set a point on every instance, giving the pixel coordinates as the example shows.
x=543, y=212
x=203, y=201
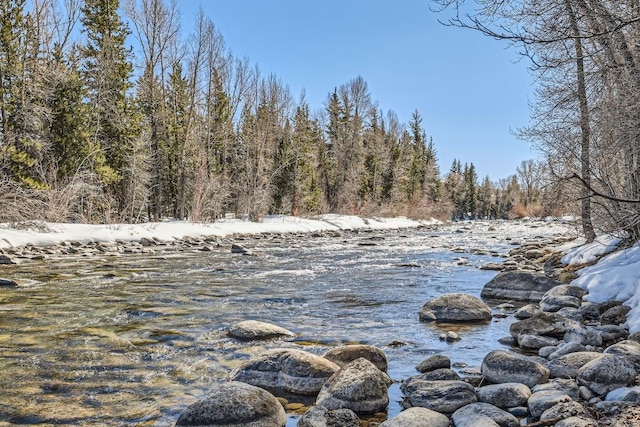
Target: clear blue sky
x=470, y=90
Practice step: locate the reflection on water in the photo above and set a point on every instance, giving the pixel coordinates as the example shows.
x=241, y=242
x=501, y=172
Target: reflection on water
x=135, y=339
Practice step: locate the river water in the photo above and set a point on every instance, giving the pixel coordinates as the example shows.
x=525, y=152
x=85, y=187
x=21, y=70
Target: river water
x=134, y=339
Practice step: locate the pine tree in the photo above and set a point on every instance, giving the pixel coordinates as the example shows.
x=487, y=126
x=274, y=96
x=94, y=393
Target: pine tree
x=115, y=120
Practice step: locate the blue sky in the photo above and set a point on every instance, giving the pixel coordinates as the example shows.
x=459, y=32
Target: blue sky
x=470, y=90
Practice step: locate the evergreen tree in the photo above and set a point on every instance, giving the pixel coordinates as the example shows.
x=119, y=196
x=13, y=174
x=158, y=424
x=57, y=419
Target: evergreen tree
x=115, y=122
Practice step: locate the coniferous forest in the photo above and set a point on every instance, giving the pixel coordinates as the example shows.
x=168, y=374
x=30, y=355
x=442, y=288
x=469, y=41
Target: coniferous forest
x=111, y=112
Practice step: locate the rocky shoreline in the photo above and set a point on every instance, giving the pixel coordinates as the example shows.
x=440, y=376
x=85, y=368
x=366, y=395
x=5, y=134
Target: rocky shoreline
x=566, y=363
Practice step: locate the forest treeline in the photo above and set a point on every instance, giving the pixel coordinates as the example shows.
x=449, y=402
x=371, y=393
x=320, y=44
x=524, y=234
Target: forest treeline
x=110, y=112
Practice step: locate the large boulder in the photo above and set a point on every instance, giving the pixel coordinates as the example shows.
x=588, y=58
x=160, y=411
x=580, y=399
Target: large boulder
x=254, y=330
x=503, y=367
x=562, y=296
x=319, y=416
x=455, y=308
x=628, y=349
x=358, y=386
x=518, y=285
x=417, y=417
x=235, y=404
x=440, y=396
x=348, y=353
x=286, y=370
x=483, y=414
x=607, y=374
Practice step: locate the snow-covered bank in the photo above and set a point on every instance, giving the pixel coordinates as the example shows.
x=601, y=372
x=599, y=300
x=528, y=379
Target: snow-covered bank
x=45, y=234
x=616, y=276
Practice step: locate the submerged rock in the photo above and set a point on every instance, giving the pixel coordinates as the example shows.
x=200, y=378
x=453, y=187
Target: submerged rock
x=455, y=308
x=254, y=330
x=235, y=404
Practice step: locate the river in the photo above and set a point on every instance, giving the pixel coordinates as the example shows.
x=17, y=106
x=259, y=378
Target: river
x=134, y=339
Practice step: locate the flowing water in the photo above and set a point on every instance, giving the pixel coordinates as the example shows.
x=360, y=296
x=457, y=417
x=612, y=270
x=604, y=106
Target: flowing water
x=134, y=339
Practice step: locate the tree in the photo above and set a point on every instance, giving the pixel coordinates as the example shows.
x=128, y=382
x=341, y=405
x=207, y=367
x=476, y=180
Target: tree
x=114, y=123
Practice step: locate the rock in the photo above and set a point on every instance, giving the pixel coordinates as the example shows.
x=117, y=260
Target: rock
x=562, y=296
x=442, y=374
x=481, y=414
x=505, y=395
x=502, y=367
x=441, y=396
x=535, y=341
x=583, y=336
x=565, y=386
x=235, y=404
x=630, y=350
x=237, y=249
x=544, y=324
x=565, y=410
x=455, y=308
x=606, y=374
x=450, y=336
x=319, y=416
x=417, y=417
x=254, y=330
x=577, y=422
x=540, y=401
x=286, y=370
x=625, y=394
x=566, y=348
x=8, y=283
x=612, y=333
x=437, y=361
x=527, y=311
x=615, y=315
x=358, y=386
x=348, y=353
x=567, y=366
x=8, y=260
x=519, y=286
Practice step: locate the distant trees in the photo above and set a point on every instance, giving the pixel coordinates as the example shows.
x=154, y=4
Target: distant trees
x=585, y=56
x=108, y=112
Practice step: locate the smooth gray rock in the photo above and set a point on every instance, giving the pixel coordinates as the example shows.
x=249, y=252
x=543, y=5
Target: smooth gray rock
x=535, y=341
x=545, y=324
x=437, y=361
x=441, y=396
x=527, y=311
x=255, y=330
x=540, y=401
x=455, y=308
x=562, y=296
x=625, y=394
x=502, y=367
x=505, y=395
x=519, y=286
x=442, y=374
x=358, y=386
x=417, y=417
x=479, y=414
x=235, y=404
x=319, y=416
x=566, y=348
x=606, y=374
x=288, y=370
x=566, y=386
x=348, y=353
x=567, y=366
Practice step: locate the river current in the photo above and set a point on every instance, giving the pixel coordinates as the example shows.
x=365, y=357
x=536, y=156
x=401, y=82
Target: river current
x=134, y=339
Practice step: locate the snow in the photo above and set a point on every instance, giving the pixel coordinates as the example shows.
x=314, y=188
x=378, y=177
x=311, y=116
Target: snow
x=586, y=253
x=45, y=234
x=615, y=277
